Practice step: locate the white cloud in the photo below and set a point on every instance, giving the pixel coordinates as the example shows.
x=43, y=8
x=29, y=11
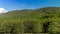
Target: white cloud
x=23, y=4
x=2, y=10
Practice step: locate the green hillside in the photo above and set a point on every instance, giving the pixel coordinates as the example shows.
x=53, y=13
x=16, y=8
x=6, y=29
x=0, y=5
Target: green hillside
x=43, y=20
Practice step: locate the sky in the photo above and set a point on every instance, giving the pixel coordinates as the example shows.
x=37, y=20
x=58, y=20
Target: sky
x=28, y=4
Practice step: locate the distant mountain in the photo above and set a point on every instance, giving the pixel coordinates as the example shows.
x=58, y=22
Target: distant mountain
x=43, y=20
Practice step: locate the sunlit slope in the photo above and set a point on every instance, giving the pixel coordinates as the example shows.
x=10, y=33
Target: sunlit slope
x=44, y=20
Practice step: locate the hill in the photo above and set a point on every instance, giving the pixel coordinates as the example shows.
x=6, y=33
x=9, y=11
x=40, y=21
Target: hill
x=43, y=20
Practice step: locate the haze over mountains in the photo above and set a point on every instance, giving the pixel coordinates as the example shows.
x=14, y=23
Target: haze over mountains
x=44, y=20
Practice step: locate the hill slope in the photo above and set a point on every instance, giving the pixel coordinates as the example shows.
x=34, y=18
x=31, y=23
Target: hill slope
x=44, y=20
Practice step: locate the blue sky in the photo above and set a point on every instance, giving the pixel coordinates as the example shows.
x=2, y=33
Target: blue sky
x=28, y=4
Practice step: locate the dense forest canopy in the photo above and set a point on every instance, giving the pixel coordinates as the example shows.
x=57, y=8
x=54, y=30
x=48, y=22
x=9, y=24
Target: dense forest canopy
x=43, y=20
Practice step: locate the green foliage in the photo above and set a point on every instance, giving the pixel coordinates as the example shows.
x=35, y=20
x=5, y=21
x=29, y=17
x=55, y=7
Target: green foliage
x=44, y=20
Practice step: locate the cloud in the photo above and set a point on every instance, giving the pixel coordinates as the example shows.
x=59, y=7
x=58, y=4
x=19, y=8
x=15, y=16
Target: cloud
x=2, y=10
x=23, y=5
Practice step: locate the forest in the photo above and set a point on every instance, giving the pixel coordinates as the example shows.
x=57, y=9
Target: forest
x=42, y=20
